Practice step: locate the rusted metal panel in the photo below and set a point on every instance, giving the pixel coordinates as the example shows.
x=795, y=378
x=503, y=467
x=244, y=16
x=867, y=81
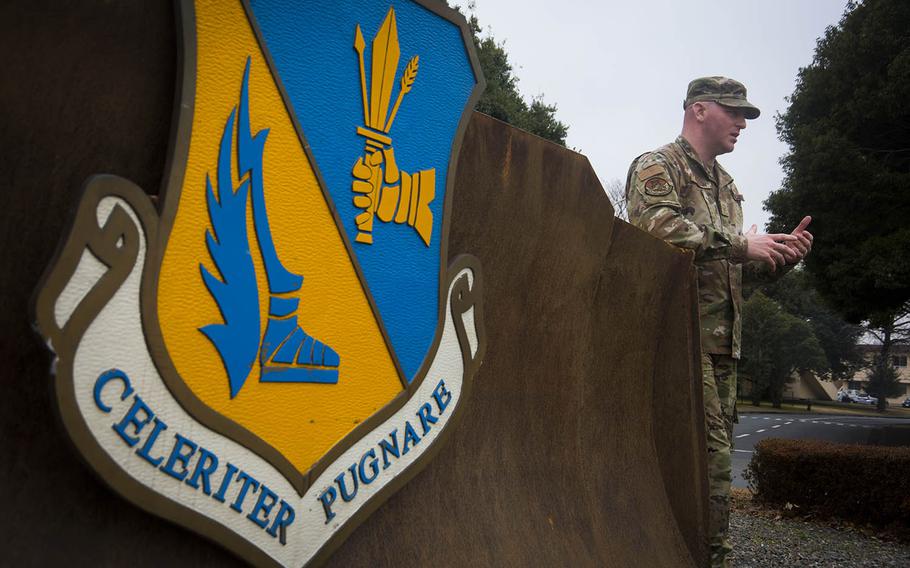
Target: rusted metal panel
x=88, y=87
x=583, y=443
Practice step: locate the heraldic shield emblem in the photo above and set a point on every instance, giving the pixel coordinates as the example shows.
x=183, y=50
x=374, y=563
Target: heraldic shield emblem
x=275, y=345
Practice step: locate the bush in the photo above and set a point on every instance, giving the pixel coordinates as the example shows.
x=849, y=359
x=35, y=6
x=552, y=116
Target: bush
x=866, y=484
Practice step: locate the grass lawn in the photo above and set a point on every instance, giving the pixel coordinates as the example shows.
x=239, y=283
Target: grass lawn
x=893, y=411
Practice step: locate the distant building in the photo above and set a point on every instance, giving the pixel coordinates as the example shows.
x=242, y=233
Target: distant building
x=899, y=355
x=808, y=386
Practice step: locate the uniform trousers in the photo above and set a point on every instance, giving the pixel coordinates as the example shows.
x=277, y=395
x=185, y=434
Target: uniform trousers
x=719, y=384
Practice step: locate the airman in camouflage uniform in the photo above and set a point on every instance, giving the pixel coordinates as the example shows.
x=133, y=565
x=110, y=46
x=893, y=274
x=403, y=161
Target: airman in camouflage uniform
x=683, y=196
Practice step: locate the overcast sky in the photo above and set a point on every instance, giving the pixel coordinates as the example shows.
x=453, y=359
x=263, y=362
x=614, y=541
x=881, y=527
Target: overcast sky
x=618, y=71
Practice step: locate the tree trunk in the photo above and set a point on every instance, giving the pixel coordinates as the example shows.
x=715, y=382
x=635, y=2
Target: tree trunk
x=884, y=357
x=756, y=394
x=776, y=384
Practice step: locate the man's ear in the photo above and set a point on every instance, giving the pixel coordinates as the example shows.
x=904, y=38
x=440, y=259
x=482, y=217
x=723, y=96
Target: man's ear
x=699, y=109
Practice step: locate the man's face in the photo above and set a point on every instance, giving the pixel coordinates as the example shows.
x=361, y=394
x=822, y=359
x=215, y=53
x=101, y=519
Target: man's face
x=721, y=126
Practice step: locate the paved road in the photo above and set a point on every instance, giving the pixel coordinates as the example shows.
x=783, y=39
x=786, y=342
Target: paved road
x=844, y=429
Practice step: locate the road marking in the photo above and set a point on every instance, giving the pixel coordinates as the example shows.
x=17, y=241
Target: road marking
x=742, y=435
x=766, y=418
x=759, y=431
x=776, y=426
x=744, y=451
x=790, y=422
x=828, y=423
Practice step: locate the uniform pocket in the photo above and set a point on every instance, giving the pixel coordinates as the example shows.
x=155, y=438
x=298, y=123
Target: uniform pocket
x=732, y=201
x=707, y=197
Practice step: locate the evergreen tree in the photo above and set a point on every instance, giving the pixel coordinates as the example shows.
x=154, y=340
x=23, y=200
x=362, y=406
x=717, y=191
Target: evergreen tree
x=776, y=344
x=883, y=381
x=501, y=98
x=838, y=338
x=848, y=129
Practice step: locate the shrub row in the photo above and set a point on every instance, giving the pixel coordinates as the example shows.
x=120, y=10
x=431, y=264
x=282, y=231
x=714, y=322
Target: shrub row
x=866, y=484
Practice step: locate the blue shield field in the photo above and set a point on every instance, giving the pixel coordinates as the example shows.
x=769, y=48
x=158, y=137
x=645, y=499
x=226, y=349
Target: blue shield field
x=378, y=90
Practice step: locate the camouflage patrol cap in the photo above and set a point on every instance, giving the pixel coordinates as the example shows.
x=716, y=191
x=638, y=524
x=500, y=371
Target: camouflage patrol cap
x=722, y=91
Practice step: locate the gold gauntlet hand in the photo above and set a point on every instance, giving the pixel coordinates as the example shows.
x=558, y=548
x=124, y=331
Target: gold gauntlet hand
x=383, y=191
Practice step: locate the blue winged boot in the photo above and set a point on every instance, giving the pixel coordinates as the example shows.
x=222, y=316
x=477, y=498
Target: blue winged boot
x=286, y=352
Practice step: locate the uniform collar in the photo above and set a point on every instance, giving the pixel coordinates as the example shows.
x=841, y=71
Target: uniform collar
x=722, y=177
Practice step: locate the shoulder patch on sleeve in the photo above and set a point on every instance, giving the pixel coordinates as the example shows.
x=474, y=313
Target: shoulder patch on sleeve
x=658, y=186
x=651, y=171
x=653, y=176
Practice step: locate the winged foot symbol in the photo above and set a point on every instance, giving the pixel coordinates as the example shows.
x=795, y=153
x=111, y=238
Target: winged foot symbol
x=286, y=352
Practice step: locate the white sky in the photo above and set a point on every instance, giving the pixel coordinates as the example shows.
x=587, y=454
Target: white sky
x=618, y=71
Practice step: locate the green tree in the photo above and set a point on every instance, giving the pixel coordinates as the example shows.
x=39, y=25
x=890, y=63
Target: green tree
x=883, y=381
x=501, y=98
x=848, y=130
x=889, y=328
x=837, y=337
x=776, y=344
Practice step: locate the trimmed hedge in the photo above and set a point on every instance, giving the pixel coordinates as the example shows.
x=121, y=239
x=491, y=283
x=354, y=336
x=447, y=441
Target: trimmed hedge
x=866, y=484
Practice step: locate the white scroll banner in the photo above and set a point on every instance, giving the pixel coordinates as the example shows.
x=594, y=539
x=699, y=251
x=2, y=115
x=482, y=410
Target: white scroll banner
x=215, y=483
